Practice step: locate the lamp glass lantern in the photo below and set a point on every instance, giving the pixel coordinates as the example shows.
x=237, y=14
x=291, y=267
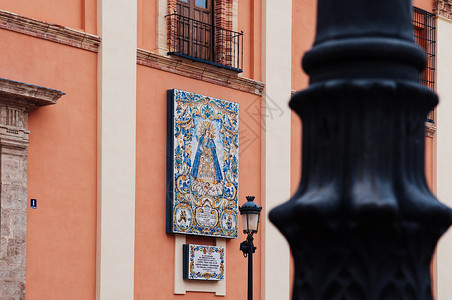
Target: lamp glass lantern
x=250, y=213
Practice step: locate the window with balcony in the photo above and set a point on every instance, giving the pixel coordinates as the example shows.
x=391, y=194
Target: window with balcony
x=424, y=33
x=198, y=30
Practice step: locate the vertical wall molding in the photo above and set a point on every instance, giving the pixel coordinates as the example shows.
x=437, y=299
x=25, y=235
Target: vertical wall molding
x=276, y=68
x=443, y=159
x=116, y=143
x=162, y=27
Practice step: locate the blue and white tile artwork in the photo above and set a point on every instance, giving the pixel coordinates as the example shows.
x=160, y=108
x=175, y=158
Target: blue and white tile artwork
x=205, y=164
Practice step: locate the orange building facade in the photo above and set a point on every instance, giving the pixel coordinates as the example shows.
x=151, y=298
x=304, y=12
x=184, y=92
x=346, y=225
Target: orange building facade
x=83, y=132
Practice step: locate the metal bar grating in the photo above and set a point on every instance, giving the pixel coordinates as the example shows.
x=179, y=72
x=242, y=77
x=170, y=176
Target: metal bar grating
x=424, y=34
x=206, y=43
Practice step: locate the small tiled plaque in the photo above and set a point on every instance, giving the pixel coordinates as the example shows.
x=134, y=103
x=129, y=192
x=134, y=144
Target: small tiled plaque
x=203, y=262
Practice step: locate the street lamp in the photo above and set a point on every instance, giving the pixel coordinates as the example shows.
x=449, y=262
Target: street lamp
x=250, y=212
x=363, y=223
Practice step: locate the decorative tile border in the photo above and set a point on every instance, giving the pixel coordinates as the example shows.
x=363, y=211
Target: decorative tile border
x=443, y=8
x=50, y=32
x=199, y=71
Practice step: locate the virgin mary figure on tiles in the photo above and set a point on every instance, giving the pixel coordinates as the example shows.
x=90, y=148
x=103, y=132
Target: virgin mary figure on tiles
x=206, y=171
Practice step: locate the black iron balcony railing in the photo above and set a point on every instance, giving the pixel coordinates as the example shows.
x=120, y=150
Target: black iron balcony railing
x=204, y=42
x=424, y=34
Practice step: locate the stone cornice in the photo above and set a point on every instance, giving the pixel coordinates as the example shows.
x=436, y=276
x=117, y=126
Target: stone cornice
x=443, y=8
x=430, y=129
x=25, y=95
x=199, y=71
x=51, y=32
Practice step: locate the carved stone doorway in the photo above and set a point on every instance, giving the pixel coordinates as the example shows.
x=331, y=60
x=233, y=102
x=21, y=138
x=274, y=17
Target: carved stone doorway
x=16, y=100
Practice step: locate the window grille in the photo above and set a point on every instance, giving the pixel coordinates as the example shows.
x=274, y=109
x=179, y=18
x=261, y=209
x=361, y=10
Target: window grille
x=424, y=33
x=206, y=43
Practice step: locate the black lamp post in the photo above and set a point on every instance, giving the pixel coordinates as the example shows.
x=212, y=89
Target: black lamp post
x=363, y=224
x=250, y=212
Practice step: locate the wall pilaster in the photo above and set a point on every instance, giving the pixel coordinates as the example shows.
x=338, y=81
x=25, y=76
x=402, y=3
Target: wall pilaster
x=443, y=145
x=275, y=148
x=116, y=141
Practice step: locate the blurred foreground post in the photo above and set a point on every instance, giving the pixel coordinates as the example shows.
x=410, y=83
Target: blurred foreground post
x=363, y=223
